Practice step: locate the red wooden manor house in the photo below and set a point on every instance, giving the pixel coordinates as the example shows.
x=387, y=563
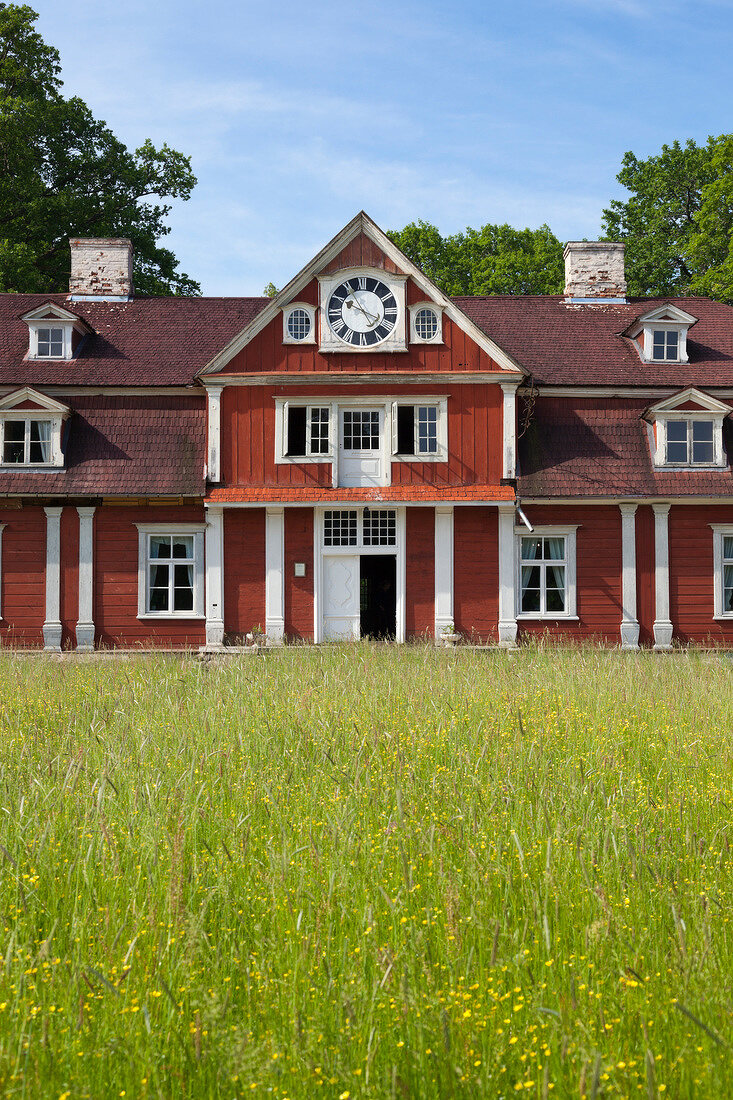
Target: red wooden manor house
x=362, y=455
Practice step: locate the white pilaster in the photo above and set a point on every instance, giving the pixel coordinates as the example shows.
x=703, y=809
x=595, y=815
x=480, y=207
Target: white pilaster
x=507, y=578
x=629, y=621
x=662, y=623
x=509, y=389
x=52, y=624
x=85, y=624
x=213, y=404
x=214, y=546
x=443, y=568
x=275, y=574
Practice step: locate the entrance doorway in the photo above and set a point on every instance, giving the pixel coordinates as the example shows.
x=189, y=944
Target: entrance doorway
x=378, y=596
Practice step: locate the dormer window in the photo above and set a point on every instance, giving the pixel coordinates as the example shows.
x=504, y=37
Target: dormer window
x=30, y=429
x=688, y=431
x=665, y=344
x=660, y=336
x=54, y=332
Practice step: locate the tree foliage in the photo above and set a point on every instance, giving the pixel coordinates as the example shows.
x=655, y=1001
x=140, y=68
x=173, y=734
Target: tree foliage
x=495, y=259
x=64, y=174
x=678, y=221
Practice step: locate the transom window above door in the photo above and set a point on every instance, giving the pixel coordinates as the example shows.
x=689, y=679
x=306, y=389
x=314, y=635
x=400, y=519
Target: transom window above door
x=360, y=527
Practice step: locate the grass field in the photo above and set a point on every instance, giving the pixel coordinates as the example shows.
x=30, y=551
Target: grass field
x=367, y=872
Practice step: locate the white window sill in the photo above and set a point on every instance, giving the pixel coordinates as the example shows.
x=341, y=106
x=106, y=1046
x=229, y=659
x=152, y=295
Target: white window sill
x=727, y=618
x=420, y=458
x=526, y=617
x=167, y=615
x=35, y=466
x=671, y=467
x=301, y=460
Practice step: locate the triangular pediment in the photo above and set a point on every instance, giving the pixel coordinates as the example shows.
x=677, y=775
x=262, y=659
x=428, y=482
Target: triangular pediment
x=666, y=313
x=28, y=398
x=689, y=400
x=53, y=312
x=361, y=236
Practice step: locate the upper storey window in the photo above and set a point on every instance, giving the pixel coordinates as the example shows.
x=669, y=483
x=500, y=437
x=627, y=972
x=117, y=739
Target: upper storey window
x=660, y=336
x=688, y=430
x=53, y=332
x=299, y=323
x=426, y=323
x=30, y=429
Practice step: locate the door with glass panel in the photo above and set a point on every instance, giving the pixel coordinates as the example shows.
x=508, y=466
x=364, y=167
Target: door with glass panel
x=543, y=575
x=361, y=460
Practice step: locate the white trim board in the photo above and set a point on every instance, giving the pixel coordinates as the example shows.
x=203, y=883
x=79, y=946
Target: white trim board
x=338, y=378
x=362, y=223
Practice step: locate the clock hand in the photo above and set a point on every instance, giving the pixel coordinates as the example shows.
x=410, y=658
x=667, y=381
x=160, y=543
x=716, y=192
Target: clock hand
x=371, y=319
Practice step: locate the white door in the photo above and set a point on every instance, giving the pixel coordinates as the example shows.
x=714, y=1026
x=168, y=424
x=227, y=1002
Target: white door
x=361, y=434
x=341, y=614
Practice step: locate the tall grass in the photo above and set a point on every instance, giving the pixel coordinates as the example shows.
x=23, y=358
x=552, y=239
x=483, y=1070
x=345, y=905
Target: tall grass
x=367, y=872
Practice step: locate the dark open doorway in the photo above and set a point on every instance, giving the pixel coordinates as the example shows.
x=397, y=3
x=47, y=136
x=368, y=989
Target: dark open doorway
x=379, y=596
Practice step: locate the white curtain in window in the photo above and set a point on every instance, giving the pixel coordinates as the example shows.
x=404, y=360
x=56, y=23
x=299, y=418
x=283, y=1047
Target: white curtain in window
x=44, y=439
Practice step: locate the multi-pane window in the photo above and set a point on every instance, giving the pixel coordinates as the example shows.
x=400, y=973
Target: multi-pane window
x=543, y=575
x=50, y=343
x=27, y=442
x=379, y=527
x=299, y=324
x=690, y=442
x=308, y=430
x=361, y=430
x=426, y=323
x=665, y=344
x=417, y=429
x=340, y=527
x=727, y=574
x=170, y=571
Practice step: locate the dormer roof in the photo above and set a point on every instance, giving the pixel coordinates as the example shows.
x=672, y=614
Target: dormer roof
x=667, y=312
x=52, y=311
x=688, y=400
x=31, y=399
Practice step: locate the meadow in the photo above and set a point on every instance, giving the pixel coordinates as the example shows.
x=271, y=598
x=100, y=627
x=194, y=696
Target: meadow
x=366, y=871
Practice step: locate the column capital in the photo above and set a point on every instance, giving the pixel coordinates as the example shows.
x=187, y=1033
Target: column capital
x=53, y=510
x=661, y=509
x=86, y=509
x=627, y=509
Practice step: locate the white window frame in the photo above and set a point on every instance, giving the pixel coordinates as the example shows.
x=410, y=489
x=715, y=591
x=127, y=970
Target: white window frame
x=571, y=595
x=145, y=532
x=660, y=455
x=311, y=311
x=439, y=403
x=67, y=328
x=27, y=415
x=720, y=531
x=361, y=547
x=415, y=338
x=680, y=327
x=389, y=407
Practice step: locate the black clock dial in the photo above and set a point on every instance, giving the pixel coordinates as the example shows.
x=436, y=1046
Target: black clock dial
x=362, y=311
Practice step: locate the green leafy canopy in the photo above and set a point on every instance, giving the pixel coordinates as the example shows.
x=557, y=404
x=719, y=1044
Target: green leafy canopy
x=64, y=174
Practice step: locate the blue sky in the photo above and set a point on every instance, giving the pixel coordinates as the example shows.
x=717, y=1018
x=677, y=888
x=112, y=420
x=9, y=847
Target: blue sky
x=298, y=115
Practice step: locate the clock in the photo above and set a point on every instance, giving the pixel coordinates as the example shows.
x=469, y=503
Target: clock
x=362, y=311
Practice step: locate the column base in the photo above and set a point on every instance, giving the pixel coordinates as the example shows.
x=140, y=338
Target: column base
x=52, y=637
x=214, y=635
x=85, y=637
x=275, y=631
x=630, y=635
x=663, y=634
x=508, y=633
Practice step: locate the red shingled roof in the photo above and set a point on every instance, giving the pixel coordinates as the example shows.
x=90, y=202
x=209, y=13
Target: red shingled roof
x=601, y=447
x=562, y=344
x=408, y=494
x=124, y=446
x=145, y=342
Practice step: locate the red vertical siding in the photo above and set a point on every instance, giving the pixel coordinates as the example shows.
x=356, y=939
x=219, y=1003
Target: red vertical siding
x=23, y=574
x=420, y=570
x=69, y=576
x=691, y=573
x=598, y=548
x=244, y=570
x=645, y=596
x=116, y=584
x=476, y=572
x=299, y=590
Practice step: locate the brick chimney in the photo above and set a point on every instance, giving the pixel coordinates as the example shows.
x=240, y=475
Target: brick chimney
x=101, y=268
x=594, y=271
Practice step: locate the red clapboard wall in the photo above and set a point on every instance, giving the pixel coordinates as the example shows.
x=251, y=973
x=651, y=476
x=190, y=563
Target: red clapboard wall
x=691, y=573
x=476, y=572
x=23, y=575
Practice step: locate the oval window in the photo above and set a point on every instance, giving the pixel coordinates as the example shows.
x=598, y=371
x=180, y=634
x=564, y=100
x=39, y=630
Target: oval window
x=426, y=324
x=299, y=324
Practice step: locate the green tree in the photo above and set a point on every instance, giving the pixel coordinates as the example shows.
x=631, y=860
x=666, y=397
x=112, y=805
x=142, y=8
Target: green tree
x=495, y=259
x=64, y=174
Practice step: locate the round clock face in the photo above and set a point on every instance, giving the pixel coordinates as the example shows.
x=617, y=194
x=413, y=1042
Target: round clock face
x=362, y=311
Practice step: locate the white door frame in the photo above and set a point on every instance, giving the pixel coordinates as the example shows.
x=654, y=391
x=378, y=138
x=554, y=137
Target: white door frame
x=385, y=440
x=320, y=552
